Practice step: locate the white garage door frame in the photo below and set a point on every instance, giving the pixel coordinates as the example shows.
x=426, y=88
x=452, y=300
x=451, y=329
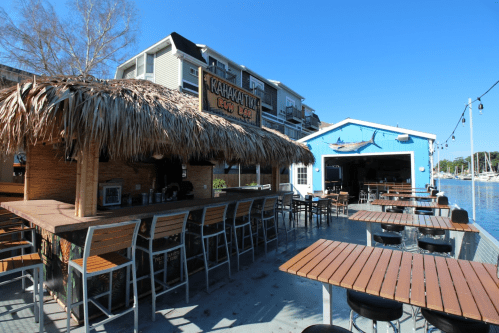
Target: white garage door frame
x=411, y=153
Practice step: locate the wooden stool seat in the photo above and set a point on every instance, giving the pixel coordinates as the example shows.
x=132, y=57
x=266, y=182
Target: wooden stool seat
x=19, y=262
x=6, y=245
x=102, y=262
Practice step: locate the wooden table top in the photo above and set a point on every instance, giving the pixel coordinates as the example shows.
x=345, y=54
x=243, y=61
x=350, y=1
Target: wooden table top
x=460, y=287
x=407, y=188
x=408, y=191
x=403, y=203
x=57, y=217
x=412, y=220
x=409, y=195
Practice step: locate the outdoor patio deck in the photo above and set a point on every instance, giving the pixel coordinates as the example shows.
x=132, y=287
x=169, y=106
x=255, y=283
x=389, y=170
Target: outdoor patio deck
x=259, y=298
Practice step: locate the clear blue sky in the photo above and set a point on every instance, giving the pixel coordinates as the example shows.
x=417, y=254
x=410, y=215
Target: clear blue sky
x=411, y=63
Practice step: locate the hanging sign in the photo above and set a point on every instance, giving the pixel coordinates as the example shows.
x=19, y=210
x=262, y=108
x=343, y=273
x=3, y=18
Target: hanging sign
x=225, y=99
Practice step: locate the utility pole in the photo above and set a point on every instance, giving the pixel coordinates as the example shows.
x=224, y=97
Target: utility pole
x=472, y=162
x=438, y=173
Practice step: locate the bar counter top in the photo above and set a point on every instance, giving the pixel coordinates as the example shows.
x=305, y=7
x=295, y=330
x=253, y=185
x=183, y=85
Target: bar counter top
x=58, y=217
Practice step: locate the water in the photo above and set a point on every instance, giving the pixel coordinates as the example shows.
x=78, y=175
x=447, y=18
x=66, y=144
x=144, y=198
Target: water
x=486, y=197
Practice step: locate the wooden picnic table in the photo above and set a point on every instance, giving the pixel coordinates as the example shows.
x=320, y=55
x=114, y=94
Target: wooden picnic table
x=412, y=220
x=415, y=204
x=408, y=195
x=459, y=287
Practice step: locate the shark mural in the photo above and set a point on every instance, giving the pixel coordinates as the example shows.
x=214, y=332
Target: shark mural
x=341, y=146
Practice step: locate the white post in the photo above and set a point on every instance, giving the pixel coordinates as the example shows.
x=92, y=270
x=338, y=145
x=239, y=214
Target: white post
x=239, y=175
x=258, y=174
x=327, y=304
x=472, y=162
x=438, y=173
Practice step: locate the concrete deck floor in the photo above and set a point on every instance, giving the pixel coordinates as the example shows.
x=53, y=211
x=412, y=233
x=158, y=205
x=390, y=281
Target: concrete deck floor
x=258, y=298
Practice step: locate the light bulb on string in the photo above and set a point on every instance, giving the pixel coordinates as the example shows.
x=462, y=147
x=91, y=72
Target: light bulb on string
x=463, y=121
x=453, y=138
x=480, y=106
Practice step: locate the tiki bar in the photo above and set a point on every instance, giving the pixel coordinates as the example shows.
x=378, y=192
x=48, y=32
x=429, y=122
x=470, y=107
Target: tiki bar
x=102, y=152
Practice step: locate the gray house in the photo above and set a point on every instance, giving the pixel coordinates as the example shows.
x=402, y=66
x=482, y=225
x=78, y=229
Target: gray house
x=174, y=62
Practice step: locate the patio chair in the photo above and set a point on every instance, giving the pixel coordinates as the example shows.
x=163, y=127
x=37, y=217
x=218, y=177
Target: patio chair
x=362, y=196
x=158, y=241
x=240, y=220
x=264, y=215
x=322, y=207
x=286, y=206
x=23, y=263
x=340, y=203
x=100, y=257
x=212, y=225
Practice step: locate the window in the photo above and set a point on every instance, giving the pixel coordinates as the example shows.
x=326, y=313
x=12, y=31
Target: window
x=193, y=71
x=140, y=65
x=255, y=83
x=190, y=87
x=301, y=176
x=150, y=63
x=290, y=102
x=214, y=62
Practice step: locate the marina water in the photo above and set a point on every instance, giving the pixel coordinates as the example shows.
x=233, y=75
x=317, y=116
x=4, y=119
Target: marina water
x=487, y=201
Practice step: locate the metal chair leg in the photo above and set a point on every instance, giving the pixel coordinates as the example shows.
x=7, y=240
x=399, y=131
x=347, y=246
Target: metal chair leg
x=135, y=298
x=85, y=303
x=69, y=298
x=227, y=251
x=153, y=286
x=186, y=274
x=351, y=321
x=40, y=296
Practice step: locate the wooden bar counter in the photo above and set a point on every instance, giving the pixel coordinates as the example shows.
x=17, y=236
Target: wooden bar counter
x=59, y=217
x=61, y=237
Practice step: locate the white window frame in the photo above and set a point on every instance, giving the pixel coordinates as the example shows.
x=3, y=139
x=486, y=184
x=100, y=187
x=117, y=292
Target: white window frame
x=293, y=102
x=195, y=70
x=255, y=82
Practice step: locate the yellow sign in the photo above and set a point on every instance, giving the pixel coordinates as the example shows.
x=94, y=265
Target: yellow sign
x=225, y=99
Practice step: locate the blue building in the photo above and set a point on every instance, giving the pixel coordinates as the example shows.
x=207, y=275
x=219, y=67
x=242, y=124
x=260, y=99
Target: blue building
x=353, y=152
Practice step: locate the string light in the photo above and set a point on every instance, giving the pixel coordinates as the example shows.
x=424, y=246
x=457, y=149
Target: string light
x=462, y=119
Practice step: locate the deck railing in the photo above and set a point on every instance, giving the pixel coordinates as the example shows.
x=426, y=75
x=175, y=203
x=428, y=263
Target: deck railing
x=222, y=73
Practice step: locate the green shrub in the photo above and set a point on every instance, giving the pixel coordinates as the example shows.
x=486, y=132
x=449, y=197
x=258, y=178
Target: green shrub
x=219, y=183
x=252, y=184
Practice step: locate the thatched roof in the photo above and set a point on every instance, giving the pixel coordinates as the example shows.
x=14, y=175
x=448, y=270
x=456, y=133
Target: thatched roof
x=132, y=117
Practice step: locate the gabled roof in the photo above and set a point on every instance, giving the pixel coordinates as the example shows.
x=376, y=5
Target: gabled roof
x=369, y=124
x=186, y=46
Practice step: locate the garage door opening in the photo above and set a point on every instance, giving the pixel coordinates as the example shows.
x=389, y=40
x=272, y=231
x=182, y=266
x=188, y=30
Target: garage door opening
x=351, y=172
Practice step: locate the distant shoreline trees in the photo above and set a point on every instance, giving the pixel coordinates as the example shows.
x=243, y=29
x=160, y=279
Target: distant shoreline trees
x=461, y=162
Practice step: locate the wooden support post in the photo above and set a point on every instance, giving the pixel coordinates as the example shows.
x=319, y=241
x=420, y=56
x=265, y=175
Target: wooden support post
x=87, y=181
x=27, y=174
x=276, y=178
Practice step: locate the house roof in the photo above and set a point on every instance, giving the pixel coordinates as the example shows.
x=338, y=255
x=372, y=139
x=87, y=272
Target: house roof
x=285, y=87
x=369, y=124
x=187, y=47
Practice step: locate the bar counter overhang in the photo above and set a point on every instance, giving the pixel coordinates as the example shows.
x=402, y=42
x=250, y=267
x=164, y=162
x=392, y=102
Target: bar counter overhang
x=82, y=116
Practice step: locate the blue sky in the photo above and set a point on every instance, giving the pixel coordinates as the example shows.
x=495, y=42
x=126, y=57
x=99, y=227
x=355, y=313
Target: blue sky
x=411, y=63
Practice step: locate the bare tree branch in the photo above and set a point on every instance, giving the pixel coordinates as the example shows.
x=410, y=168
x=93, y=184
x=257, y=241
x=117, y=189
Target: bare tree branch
x=93, y=39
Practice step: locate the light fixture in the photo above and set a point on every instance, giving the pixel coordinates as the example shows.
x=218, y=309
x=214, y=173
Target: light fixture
x=464, y=120
x=446, y=145
x=453, y=138
x=480, y=106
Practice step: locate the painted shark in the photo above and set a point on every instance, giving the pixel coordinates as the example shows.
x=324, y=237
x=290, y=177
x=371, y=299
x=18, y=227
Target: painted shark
x=352, y=146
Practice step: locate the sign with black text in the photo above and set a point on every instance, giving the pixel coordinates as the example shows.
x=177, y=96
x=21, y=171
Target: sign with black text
x=225, y=99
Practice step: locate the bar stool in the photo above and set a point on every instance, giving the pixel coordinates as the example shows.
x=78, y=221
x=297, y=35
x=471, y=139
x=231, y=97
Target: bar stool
x=432, y=232
x=12, y=225
x=374, y=308
x=452, y=324
x=263, y=215
x=241, y=219
x=286, y=206
x=389, y=238
x=157, y=241
x=433, y=245
x=325, y=328
x=22, y=264
x=212, y=216
x=100, y=257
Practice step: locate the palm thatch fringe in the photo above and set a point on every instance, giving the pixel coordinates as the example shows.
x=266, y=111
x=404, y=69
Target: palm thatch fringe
x=132, y=117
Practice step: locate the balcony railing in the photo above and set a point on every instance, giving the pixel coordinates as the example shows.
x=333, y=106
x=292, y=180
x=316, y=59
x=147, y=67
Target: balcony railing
x=265, y=97
x=277, y=127
x=293, y=115
x=311, y=123
x=222, y=73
